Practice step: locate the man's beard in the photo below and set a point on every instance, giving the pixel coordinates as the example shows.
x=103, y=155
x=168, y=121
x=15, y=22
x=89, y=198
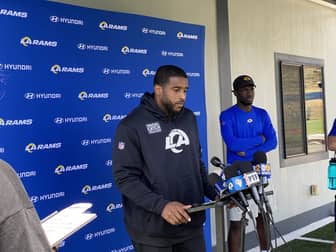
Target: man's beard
x=170, y=108
x=246, y=103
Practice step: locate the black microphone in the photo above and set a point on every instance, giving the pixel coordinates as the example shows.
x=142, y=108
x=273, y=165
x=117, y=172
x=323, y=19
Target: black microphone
x=218, y=183
x=259, y=157
x=252, y=180
x=215, y=161
x=236, y=183
x=264, y=171
x=217, y=177
x=232, y=184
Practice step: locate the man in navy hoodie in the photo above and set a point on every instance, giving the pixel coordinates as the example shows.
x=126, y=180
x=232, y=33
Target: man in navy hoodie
x=158, y=169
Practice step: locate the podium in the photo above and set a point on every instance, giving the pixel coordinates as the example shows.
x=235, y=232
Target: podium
x=219, y=216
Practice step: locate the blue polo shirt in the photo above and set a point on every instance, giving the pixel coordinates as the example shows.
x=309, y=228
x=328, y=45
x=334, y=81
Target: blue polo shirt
x=242, y=132
x=333, y=129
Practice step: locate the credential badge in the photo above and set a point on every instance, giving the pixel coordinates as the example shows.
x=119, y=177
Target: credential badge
x=153, y=128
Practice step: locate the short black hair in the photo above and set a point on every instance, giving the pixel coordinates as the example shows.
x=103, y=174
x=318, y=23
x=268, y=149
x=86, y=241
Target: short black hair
x=163, y=73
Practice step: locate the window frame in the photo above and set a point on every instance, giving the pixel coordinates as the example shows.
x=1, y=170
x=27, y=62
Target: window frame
x=297, y=61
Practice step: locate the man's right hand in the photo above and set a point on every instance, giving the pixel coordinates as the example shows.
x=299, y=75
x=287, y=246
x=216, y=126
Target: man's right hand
x=241, y=153
x=175, y=213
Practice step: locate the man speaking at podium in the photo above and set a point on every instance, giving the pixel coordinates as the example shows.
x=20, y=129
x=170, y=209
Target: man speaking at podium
x=158, y=169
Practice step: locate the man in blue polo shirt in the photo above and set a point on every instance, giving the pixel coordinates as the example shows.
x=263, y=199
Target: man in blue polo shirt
x=332, y=138
x=245, y=129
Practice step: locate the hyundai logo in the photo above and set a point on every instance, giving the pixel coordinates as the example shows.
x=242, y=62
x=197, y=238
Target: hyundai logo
x=29, y=96
x=54, y=19
x=108, y=163
x=85, y=142
x=34, y=199
x=106, y=71
x=88, y=236
x=81, y=46
x=58, y=120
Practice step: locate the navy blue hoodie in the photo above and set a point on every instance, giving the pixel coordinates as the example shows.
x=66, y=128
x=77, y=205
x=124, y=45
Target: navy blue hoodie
x=157, y=159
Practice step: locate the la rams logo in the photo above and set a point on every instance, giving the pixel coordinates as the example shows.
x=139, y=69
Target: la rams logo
x=59, y=169
x=103, y=25
x=175, y=140
x=30, y=148
x=145, y=72
x=110, y=207
x=179, y=35
x=26, y=41
x=125, y=50
x=86, y=189
x=107, y=118
x=55, y=69
x=82, y=95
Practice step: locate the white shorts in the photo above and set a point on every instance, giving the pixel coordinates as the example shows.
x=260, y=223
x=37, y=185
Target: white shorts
x=235, y=213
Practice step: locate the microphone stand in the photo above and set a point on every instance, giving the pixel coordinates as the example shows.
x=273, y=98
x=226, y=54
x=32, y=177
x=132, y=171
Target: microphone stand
x=244, y=223
x=266, y=216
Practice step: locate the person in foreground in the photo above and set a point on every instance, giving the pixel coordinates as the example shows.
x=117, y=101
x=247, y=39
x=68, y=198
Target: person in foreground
x=20, y=227
x=158, y=169
x=245, y=129
x=332, y=147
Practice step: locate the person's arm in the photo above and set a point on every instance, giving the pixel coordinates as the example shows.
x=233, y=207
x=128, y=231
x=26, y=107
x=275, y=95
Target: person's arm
x=270, y=137
x=332, y=138
x=332, y=143
x=22, y=231
x=128, y=174
x=234, y=143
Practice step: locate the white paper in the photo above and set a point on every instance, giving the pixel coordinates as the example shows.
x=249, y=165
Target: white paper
x=61, y=225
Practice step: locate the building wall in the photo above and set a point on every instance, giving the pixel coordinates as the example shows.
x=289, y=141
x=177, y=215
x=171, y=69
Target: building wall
x=258, y=29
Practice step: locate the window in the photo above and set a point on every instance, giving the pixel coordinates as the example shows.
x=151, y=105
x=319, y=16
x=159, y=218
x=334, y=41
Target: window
x=301, y=109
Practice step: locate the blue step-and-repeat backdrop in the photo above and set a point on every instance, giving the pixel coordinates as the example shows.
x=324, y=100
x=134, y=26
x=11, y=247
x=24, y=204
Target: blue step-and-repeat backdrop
x=68, y=75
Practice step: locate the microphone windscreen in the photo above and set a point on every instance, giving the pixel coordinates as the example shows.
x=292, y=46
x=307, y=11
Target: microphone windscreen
x=245, y=167
x=236, y=164
x=259, y=157
x=230, y=171
x=215, y=161
x=213, y=178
